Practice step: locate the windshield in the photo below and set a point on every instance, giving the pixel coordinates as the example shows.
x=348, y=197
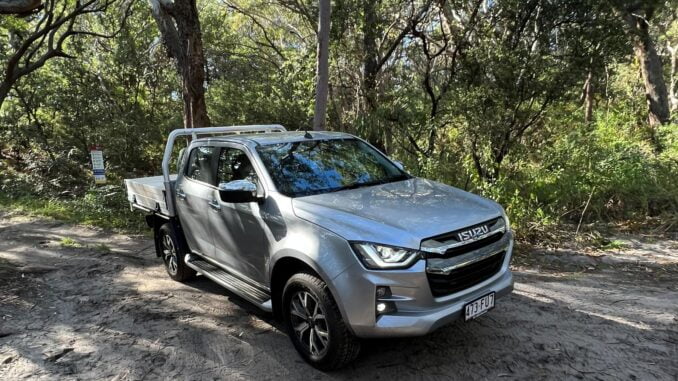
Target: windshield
x=320, y=166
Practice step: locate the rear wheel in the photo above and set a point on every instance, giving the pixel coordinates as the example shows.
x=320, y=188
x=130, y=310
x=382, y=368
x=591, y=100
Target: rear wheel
x=314, y=323
x=173, y=254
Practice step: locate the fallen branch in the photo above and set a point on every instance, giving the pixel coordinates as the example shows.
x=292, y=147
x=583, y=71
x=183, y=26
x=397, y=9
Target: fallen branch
x=581, y=218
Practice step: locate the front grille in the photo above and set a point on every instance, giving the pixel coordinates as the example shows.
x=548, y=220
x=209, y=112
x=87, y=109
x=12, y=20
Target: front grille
x=471, y=246
x=465, y=277
x=452, y=236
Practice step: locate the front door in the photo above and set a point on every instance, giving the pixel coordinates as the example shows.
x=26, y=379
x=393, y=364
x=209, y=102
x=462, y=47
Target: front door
x=238, y=230
x=194, y=191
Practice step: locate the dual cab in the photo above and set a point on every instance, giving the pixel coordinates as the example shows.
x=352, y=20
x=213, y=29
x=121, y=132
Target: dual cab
x=326, y=232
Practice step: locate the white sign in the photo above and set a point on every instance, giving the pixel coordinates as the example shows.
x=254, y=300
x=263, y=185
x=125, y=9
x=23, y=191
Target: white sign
x=98, y=164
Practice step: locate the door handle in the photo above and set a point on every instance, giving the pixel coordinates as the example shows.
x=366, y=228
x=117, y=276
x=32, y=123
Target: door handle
x=181, y=195
x=214, y=204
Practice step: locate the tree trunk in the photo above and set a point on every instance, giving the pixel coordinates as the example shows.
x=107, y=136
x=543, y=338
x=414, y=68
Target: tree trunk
x=322, y=67
x=370, y=54
x=371, y=70
x=588, y=98
x=179, y=26
x=4, y=91
x=193, y=90
x=673, y=92
x=655, y=87
x=650, y=64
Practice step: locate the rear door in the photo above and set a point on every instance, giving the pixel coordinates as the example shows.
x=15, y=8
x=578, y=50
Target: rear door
x=194, y=191
x=239, y=236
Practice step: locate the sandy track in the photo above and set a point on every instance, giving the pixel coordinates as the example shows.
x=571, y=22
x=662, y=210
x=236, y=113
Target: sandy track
x=107, y=310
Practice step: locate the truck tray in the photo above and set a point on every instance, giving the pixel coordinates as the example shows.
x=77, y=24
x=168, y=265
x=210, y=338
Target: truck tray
x=148, y=193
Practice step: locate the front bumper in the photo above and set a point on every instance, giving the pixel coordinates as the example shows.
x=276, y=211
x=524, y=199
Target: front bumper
x=418, y=311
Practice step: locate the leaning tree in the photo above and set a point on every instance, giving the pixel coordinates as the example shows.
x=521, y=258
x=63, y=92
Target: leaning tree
x=48, y=26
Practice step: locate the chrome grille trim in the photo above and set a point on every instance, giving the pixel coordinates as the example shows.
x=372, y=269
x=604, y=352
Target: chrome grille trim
x=438, y=247
x=444, y=266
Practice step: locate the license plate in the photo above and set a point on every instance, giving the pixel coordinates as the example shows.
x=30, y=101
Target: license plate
x=479, y=306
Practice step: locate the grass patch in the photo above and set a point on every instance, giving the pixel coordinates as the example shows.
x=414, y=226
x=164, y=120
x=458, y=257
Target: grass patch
x=614, y=245
x=99, y=207
x=70, y=242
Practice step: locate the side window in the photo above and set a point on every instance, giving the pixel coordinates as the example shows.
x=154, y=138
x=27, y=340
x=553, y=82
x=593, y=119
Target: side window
x=235, y=165
x=200, y=165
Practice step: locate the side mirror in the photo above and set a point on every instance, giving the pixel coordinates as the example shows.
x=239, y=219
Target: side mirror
x=238, y=191
x=399, y=164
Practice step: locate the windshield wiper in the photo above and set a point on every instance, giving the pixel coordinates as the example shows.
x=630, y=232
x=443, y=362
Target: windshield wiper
x=371, y=183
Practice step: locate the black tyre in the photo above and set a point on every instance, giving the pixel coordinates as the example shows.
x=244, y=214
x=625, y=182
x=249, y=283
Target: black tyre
x=173, y=254
x=314, y=323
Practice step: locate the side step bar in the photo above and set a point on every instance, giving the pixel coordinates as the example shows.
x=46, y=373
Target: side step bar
x=230, y=282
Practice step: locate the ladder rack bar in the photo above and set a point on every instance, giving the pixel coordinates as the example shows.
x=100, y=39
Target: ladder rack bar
x=195, y=132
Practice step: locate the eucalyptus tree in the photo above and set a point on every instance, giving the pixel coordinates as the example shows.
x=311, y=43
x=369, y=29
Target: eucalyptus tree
x=637, y=16
x=43, y=35
x=179, y=25
x=322, y=66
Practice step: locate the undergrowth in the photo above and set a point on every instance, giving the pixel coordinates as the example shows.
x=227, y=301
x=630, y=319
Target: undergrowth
x=104, y=207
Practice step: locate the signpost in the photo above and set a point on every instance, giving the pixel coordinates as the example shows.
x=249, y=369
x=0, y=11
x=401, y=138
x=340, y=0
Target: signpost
x=98, y=164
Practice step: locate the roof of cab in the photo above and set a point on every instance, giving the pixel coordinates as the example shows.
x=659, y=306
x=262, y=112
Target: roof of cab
x=276, y=137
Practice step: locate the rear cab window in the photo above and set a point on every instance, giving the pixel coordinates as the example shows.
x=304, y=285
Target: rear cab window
x=201, y=165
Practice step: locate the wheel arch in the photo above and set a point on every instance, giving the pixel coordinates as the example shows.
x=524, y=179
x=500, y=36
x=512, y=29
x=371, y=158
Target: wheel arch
x=288, y=265
x=155, y=222
x=281, y=271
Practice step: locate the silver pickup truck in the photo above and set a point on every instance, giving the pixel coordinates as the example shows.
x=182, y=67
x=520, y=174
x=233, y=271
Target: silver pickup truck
x=326, y=232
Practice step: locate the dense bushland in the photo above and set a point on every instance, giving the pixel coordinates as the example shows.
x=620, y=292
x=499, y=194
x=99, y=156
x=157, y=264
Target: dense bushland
x=537, y=104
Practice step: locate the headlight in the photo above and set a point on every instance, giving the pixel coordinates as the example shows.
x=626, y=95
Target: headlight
x=378, y=257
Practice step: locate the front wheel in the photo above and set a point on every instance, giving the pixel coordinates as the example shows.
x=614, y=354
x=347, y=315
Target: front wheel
x=314, y=323
x=173, y=254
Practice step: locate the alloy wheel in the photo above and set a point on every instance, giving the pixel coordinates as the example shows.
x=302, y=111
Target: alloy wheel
x=309, y=322
x=170, y=254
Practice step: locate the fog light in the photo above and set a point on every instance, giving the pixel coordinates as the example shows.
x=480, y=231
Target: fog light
x=384, y=308
x=383, y=304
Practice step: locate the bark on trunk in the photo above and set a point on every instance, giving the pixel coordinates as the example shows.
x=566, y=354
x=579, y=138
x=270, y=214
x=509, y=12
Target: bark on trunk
x=370, y=60
x=179, y=26
x=650, y=67
x=371, y=70
x=655, y=88
x=4, y=91
x=673, y=95
x=588, y=98
x=322, y=66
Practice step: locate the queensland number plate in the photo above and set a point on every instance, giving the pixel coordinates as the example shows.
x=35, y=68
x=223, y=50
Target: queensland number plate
x=479, y=306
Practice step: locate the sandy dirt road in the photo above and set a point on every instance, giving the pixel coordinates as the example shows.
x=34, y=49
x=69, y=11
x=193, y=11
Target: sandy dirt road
x=107, y=310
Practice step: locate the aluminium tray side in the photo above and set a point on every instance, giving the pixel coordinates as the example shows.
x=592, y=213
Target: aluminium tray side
x=148, y=193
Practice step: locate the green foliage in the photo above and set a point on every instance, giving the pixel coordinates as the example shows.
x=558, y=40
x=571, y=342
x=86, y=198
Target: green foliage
x=607, y=168
x=481, y=95
x=614, y=245
x=70, y=242
x=103, y=207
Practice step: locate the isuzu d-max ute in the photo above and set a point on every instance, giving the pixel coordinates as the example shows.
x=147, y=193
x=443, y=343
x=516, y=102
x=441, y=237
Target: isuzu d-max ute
x=326, y=232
